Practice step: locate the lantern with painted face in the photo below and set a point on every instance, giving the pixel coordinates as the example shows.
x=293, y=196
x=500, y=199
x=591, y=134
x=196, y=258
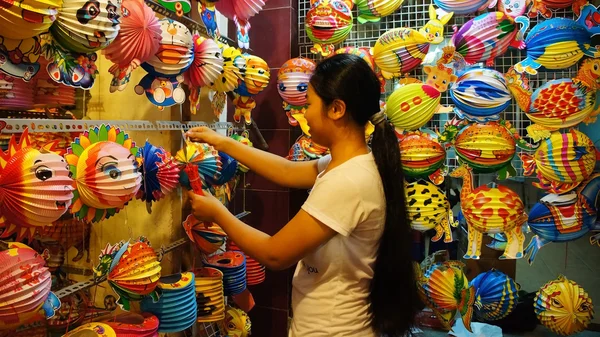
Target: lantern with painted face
x=292, y=84
x=175, y=52
x=231, y=76
x=237, y=322
x=35, y=187
x=102, y=162
x=18, y=58
x=87, y=26
x=328, y=22
x=256, y=79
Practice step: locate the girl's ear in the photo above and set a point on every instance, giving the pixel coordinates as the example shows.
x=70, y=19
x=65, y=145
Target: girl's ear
x=336, y=110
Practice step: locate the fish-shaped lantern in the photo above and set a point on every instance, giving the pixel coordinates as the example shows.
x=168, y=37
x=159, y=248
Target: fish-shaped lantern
x=559, y=103
x=491, y=210
x=35, y=187
x=400, y=50
x=563, y=218
x=562, y=161
x=422, y=156
x=102, y=163
x=563, y=306
x=374, y=10
x=496, y=295
x=462, y=7
x=428, y=208
x=328, y=22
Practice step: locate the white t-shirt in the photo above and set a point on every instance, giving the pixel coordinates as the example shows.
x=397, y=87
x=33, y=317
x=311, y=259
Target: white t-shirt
x=331, y=285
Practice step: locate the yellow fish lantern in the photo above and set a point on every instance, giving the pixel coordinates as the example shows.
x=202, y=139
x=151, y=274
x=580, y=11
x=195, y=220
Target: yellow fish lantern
x=23, y=19
x=35, y=187
x=444, y=288
x=231, y=76
x=411, y=106
x=401, y=50
x=256, y=78
x=374, y=10
x=237, y=322
x=102, y=162
x=428, y=208
x=564, y=307
x=328, y=22
x=562, y=162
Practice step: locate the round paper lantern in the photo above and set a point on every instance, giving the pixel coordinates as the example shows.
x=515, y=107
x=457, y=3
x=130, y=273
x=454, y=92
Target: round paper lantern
x=428, y=208
x=237, y=322
x=231, y=75
x=328, y=22
x=102, y=162
x=462, y=7
x=201, y=159
x=292, y=84
x=242, y=9
x=480, y=95
x=209, y=294
x=27, y=18
x=87, y=26
x=208, y=62
x=563, y=306
x=422, y=156
x=374, y=10
x=131, y=324
x=175, y=53
x=139, y=37
x=256, y=79
x=562, y=161
x=160, y=174
x=496, y=295
x=35, y=187
x=18, y=58
x=233, y=266
x=208, y=237
x=445, y=289
x=15, y=93
x=24, y=284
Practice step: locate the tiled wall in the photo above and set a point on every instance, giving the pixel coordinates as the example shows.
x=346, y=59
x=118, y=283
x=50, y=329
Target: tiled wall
x=273, y=37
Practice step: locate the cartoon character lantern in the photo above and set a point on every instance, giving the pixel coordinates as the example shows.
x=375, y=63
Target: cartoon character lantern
x=374, y=10
x=256, y=79
x=18, y=58
x=102, y=162
x=23, y=19
x=231, y=76
x=563, y=306
x=35, y=187
x=175, y=52
x=401, y=50
x=328, y=22
x=87, y=26
x=237, y=322
x=292, y=84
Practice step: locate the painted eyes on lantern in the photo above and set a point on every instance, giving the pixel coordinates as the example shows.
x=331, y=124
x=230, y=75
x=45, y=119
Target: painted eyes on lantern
x=88, y=12
x=302, y=87
x=43, y=173
x=595, y=67
x=584, y=307
x=111, y=170
x=556, y=303
x=516, y=5
x=282, y=87
x=112, y=13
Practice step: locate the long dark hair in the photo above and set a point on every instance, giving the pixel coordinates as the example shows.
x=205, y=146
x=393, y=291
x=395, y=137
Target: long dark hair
x=393, y=300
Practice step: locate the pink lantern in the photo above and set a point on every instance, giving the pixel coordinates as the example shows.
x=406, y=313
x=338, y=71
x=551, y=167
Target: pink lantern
x=15, y=93
x=208, y=62
x=292, y=84
x=240, y=11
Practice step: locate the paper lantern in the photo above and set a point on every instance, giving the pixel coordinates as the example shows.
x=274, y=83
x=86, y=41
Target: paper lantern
x=18, y=58
x=445, y=289
x=24, y=284
x=208, y=237
x=496, y=295
x=374, y=10
x=305, y=149
x=462, y=7
x=292, y=83
x=231, y=76
x=177, y=308
x=563, y=218
x=160, y=174
x=563, y=306
x=139, y=37
x=256, y=79
x=400, y=50
x=35, y=187
x=201, y=158
x=488, y=36
x=102, y=162
x=87, y=26
x=561, y=162
x=162, y=91
x=556, y=44
x=48, y=93
x=15, y=93
x=25, y=19
x=175, y=52
x=487, y=148
x=71, y=313
x=327, y=23
x=233, y=266
x=422, y=156
x=411, y=106
x=132, y=270
x=92, y=330
x=428, y=208
x=480, y=95
x=491, y=210
x=237, y=322
x=130, y=324
x=209, y=294
x=180, y=7
x=242, y=9
x=206, y=8
x=77, y=70
x=255, y=272
x=208, y=62
x=544, y=7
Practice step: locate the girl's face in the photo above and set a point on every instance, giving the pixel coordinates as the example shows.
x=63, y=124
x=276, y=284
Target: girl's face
x=316, y=116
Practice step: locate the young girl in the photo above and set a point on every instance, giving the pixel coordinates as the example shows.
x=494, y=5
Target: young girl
x=351, y=237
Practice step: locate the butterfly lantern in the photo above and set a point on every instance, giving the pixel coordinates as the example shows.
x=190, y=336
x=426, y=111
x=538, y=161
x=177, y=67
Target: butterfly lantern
x=139, y=38
x=256, y=78
x=495, y=295
x=160, y=173
x=132, y=270
x=463, y=7
x=20, y=57
x=25, y=19
x=563, y=306
x=292, y=84
x=240, y=12
x=102, y=163
x=374, y=10
x=400, y=50
x=328, y=22
x=489, y=35
x=162, y=84
x=35, y=187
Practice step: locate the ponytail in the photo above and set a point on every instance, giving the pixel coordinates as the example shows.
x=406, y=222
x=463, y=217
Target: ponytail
x=393, y=299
